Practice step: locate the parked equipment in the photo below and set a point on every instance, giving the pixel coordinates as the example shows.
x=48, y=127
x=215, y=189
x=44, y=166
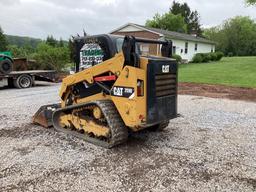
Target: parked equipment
x=115, y=90
x=6, y=62
x=21, y=78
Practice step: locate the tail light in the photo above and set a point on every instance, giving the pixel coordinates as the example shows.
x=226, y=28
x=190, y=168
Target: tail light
x=140, y=88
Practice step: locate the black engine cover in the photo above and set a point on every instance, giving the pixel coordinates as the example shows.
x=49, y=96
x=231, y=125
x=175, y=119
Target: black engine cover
x=161, y=90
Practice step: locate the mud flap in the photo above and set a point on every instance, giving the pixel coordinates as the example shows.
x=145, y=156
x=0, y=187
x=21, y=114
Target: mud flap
x=43, y=116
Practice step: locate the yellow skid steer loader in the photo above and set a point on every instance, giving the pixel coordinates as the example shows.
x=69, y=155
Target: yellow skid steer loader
x=116, y=88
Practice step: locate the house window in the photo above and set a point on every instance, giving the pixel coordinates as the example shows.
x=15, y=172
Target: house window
x=196, y=47
x=212, y=49
x=181, y=50
x=186, y=47
x=174, y=49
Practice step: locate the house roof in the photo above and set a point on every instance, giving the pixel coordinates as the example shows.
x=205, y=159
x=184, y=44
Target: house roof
x=168, y=34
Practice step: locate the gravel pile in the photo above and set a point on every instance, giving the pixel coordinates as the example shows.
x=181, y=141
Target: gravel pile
x=211, y=147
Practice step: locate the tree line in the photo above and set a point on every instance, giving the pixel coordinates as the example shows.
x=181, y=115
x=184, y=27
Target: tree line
x=251, y=2
x=179, y=18
x=236, y=36
x=51, y=54
x=22, y=41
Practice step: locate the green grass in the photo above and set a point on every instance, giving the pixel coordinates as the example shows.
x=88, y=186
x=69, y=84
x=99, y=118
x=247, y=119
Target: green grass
x=232, y=71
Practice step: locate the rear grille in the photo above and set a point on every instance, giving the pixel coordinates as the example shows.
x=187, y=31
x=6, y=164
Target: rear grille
x=165, y=84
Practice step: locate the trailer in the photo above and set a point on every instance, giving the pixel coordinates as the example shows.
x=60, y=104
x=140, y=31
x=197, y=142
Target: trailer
x=26, y=79
x=16, y=73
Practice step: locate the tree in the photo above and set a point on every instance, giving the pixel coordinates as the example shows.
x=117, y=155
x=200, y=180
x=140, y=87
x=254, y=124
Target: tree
x=72, y=50
x=18, y=52
x=168, y=21
x=50, y=57
x=191, y=18
x=235, y=37
x=251, y=2
x=182, y=9
x=194, y=25
x=3, y=41
x=61, y=43
x=50, y=40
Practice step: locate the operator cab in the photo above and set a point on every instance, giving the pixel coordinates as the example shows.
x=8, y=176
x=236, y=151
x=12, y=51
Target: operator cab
x=93, y=50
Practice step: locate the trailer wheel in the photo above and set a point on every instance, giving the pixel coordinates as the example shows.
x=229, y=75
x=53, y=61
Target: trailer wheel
x=23, y=81
x=5, y=66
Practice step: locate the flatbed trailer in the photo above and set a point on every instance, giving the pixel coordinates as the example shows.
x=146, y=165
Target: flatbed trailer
x=26, y=79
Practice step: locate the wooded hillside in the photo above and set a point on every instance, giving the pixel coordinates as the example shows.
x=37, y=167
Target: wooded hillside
x=22, y=41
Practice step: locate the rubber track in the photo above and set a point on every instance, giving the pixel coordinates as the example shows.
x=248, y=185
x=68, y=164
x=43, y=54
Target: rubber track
x=119, y=132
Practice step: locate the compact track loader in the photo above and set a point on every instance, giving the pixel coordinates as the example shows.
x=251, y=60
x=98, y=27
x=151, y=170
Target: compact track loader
x=116, y=89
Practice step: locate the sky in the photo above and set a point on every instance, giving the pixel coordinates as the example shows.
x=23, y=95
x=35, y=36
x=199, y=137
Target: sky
x=63, y=18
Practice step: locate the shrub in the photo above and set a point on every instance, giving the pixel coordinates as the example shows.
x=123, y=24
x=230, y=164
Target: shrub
x=206, y=57
x=213, y=56
x=49, y=57
x=197, y=58
x=219, y=55
x=178, y=58
x=230, y=54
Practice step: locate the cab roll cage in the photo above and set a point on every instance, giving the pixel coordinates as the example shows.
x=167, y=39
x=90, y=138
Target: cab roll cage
x=129, y=48
x=132, y=57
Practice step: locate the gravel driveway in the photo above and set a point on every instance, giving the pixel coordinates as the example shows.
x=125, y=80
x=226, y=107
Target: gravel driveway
x=211, y=147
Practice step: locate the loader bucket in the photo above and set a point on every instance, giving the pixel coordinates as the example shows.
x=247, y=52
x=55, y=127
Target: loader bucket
x=43, y=116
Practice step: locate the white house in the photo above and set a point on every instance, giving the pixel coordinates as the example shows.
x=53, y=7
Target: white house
x=183, y=44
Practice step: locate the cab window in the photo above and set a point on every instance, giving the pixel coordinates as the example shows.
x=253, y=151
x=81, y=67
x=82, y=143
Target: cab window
x=119, y=44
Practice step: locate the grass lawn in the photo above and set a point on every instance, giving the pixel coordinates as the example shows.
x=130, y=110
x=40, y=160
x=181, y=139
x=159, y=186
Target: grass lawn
x=232, y=71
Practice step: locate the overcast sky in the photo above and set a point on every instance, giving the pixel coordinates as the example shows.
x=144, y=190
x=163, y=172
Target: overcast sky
x=62, y=18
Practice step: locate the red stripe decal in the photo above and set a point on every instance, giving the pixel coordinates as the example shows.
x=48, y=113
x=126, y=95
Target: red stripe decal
x=105, y=78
